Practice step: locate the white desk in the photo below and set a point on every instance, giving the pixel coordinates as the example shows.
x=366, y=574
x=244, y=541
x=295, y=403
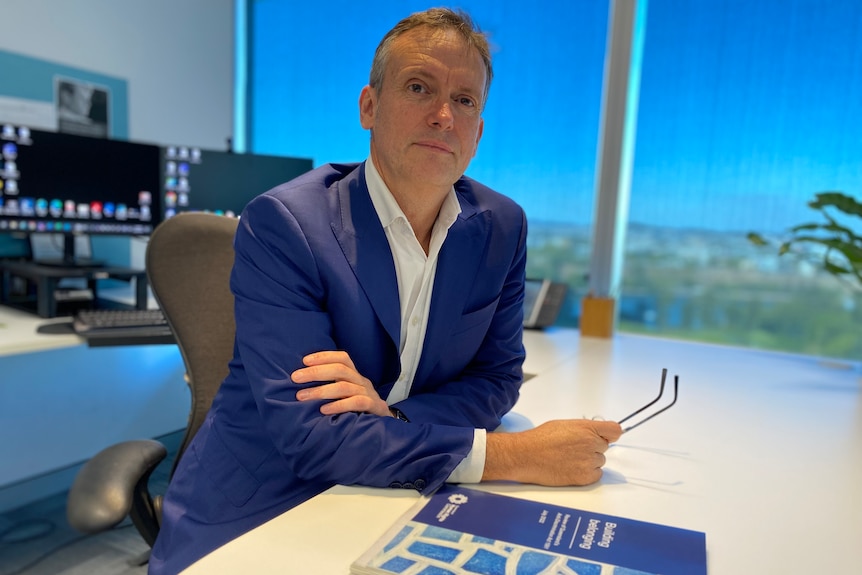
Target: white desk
x=18, y=333
x=763, y=452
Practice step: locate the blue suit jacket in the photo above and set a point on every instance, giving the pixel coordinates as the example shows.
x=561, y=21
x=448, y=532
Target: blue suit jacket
x=314, y=271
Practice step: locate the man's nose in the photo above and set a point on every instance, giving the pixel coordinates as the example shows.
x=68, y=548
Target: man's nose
x=441, y=115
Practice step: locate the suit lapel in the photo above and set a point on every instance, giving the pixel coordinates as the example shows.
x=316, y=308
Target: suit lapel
x=459, y=261
x=357, y=223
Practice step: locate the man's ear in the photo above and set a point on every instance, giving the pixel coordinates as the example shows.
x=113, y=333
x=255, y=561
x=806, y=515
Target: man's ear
x=367, y=106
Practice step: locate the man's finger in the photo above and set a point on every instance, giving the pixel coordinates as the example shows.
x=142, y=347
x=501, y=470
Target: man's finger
x=323, y=372
x=324, y=357
x=353, y=403
x=610, y=431
x=335, y=390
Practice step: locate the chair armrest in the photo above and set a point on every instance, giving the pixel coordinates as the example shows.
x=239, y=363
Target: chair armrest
x=104, y=489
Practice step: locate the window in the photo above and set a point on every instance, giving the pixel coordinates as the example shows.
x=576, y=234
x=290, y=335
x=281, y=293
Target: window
x=746, y=110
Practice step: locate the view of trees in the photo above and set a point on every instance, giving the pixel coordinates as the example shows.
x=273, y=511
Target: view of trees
x=710, y=286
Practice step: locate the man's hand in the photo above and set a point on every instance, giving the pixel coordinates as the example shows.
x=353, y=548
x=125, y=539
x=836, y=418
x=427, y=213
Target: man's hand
x=561, y=452
x=346, y=386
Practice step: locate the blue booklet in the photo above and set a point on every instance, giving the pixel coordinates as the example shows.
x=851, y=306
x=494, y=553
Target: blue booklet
x=458, y=530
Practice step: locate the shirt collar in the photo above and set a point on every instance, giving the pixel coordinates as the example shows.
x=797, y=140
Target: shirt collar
x=388, y=209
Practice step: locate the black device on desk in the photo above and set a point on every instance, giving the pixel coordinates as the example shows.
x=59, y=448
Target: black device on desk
x=543, y=300
x=119, y=323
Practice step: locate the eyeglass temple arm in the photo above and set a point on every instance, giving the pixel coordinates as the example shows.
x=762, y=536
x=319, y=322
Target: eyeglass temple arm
x=665, y=408
x=660, y=393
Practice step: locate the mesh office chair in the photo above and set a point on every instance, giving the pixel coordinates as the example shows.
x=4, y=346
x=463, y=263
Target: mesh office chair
x=188, y=261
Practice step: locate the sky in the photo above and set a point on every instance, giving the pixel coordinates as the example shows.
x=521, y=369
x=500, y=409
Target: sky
x=745, y=109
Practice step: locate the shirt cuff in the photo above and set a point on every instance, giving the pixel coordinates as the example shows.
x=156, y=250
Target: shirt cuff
x=472, y=467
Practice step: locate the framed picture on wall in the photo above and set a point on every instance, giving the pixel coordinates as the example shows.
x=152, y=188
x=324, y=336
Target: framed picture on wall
x=82, y=107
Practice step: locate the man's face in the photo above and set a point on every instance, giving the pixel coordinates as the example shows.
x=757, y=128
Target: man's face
x=426, y=117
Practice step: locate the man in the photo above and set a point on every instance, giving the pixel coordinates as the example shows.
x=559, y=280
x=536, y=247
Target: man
x=379, y=313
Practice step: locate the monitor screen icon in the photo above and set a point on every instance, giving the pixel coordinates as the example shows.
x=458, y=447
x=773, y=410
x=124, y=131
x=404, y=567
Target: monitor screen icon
x=10, y=151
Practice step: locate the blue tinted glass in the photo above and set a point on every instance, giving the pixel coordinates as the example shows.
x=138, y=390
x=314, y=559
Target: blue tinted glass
x=746, y=111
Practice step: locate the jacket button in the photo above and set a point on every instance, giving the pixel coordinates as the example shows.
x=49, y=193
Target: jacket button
x=419, y=484
x=395, y=485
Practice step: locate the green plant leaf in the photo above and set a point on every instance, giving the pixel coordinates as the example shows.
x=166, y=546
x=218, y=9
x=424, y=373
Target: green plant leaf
x=852, y=252
x=842, y=254
x=757, y=239
x=842, y=202
x=806, y=227
x=836, y=269
x=832, y=227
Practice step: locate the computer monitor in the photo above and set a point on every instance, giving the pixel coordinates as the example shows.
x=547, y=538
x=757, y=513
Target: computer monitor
x=52, y=182
x=194, y=179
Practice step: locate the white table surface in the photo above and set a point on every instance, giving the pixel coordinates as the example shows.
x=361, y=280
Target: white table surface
x=18, y=333
x=763, y=452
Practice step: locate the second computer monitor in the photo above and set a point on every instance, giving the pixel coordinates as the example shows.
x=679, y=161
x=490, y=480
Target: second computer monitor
x=221, y=182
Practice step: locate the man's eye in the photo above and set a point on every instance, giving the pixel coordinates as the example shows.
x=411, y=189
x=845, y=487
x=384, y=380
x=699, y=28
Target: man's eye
x=467, y=102
x=418, y=88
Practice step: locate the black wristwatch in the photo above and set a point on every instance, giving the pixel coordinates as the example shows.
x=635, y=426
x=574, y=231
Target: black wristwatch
x=398, y=414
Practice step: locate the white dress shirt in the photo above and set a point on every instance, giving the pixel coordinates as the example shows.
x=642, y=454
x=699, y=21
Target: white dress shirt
x=415, y=272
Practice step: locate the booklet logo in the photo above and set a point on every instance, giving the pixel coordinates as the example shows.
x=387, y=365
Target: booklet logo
x=455, y=501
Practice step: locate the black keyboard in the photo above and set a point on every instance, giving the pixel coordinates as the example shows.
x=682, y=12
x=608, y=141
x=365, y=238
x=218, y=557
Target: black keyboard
x=120, y=322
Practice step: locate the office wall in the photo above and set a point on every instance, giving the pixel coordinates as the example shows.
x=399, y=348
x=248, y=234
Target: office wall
x=177, y=56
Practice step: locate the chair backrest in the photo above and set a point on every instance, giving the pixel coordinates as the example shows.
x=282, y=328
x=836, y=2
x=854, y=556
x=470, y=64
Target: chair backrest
x=189, y=260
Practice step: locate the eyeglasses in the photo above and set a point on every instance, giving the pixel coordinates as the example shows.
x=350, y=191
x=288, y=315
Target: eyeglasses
x=653, y=402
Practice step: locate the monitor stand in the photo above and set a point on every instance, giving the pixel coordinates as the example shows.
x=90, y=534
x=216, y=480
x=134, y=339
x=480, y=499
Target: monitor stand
x=69, y=259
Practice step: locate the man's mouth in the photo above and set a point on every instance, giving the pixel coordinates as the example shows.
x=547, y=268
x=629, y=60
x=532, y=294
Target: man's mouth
x=435, y=145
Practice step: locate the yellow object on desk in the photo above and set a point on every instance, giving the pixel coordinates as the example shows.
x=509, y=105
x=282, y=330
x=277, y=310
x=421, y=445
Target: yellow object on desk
x=597, y=316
